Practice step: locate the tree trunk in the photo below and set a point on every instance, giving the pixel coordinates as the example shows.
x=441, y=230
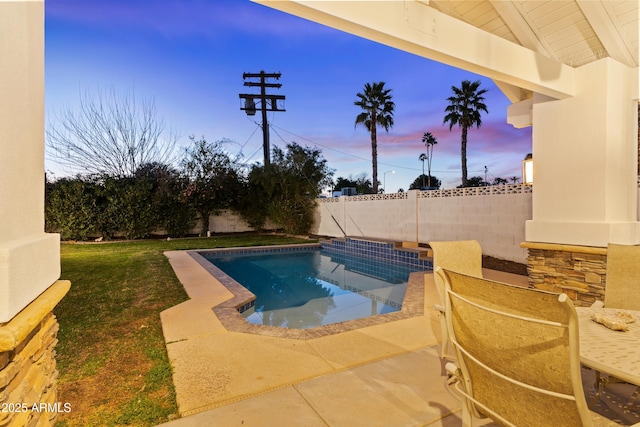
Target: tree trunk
x=463, y=154
x=205, y=223
x=429, y=166
x=374, y=153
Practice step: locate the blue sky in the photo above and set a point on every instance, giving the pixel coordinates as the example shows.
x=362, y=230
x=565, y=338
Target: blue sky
x=189, y=56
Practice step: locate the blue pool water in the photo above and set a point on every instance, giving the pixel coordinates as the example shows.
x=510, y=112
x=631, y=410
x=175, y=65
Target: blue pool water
x=305, y=289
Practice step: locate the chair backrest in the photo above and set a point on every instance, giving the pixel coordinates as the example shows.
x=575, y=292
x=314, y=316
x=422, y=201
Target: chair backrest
x=518, y=352
x=462, y=256
x=623, y=277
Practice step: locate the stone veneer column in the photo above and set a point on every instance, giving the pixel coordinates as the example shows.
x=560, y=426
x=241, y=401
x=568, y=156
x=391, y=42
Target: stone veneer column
x=28, y=374
x=578, y=271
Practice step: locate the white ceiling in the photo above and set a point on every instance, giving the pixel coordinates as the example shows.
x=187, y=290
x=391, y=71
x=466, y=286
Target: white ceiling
x=574, y=32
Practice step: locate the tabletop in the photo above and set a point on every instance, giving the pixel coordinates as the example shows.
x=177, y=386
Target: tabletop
x=612, y=352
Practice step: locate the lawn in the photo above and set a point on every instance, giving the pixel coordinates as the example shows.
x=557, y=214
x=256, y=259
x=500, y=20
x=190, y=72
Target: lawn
x=111, y=355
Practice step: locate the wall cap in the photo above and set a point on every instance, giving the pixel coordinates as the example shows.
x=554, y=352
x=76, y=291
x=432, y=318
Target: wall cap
x=564, y=248
x=17, y=329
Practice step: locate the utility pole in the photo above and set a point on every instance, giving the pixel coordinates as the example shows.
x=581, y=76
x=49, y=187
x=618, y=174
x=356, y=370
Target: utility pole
x=262, y=98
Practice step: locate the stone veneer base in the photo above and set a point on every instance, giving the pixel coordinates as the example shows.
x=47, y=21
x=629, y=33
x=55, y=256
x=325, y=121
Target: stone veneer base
x=578, y=271
x=27, y=362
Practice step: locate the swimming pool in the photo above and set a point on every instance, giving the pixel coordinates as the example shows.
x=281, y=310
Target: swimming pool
x=307, y=287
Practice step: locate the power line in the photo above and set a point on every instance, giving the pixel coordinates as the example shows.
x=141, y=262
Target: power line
x=341, y=152
x=246, y=162
x=276, y=132
x=355, y=156
x=273, y=126
x=252, y=133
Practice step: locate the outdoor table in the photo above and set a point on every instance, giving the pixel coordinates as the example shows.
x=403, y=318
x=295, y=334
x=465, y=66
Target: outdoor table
x=611, y=352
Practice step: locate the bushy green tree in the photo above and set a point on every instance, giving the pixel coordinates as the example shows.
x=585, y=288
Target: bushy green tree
x=361, y=182
x=285, y=191
x=128, y=207
x=302, y=173
x=499, y=181
x=168, y=186
x=253, y=203
x=475, y=181
x=417, y=183
x=150, y=201
x=71, y=208
x=342, y=182
x=214, y=181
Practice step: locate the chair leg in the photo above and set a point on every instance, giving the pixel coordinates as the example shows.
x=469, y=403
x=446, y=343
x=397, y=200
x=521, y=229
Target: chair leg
x=598, y=386
x=601, y=383
x=467, y=418
x=445, y=336
x=632, y=399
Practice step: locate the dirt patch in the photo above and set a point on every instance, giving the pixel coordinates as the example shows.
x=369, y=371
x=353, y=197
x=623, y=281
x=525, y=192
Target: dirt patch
x=504, y=265
x=498, y=264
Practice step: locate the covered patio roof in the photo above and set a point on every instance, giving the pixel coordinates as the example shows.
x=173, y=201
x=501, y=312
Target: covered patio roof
x=524, y=46
x=570, y=69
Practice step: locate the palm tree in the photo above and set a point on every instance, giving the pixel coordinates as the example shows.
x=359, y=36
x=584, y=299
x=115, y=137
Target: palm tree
x=464, y=110
x=422, y=158
x=429, y=141
x=377, y=107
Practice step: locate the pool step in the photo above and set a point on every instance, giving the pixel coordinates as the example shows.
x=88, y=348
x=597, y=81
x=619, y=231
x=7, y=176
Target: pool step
x=408, y=244
x=423, y=253
x=398, y=251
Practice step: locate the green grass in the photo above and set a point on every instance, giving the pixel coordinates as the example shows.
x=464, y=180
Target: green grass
x=111, y=356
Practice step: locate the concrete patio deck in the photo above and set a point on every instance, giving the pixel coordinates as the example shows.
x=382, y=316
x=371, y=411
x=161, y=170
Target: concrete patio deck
x=387, y=374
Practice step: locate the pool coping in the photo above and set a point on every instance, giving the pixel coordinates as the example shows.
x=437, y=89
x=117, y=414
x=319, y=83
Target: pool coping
x=229, y=315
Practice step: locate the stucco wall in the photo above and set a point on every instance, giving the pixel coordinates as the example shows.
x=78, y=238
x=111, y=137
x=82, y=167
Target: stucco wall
x=227, y=221
x=495, y=216
x=585, y=174
x=29, y=258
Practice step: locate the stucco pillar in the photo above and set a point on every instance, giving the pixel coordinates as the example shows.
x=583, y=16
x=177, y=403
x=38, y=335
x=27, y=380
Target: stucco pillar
x=585, y=161
x=29, y=258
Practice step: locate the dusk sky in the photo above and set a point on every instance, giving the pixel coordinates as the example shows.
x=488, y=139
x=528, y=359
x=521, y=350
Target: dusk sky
x=189, y=56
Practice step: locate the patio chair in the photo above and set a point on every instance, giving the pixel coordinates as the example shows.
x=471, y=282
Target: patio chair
x=517, y=349
x=622, y=288
x=463, y=256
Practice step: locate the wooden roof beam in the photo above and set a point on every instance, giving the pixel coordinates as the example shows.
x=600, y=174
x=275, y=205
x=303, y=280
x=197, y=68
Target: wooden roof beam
x=414, y=27
x=607, y=31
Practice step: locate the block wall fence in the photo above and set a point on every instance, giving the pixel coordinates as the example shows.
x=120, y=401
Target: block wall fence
x=494, y=216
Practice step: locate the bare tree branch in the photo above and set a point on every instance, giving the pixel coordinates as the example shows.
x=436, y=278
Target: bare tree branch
x=109, y=134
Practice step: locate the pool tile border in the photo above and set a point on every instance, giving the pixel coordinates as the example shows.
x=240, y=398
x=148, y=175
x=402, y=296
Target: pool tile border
x=229, y=315
x=383, y=250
